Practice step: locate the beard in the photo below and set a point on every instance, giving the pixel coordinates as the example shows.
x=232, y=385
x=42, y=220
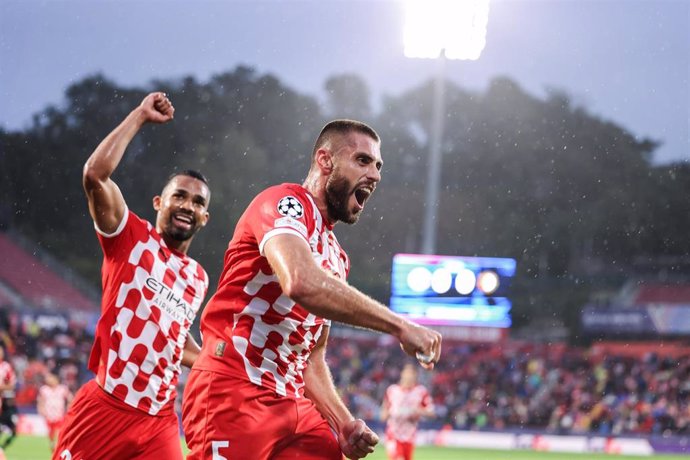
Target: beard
x=181, y=235
x=338, y=191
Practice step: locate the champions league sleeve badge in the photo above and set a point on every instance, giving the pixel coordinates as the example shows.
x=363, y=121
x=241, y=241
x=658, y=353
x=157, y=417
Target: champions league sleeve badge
x=290, y=206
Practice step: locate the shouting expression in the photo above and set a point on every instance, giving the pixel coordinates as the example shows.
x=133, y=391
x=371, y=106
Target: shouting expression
x=355, y=160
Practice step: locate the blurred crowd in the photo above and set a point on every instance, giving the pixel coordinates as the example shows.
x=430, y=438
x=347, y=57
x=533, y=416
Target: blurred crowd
x=519, y=385
x=474, y=387
x=36, y=347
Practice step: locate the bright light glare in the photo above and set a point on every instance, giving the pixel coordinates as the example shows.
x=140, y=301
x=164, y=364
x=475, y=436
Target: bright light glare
x=487, y=282
x=419, y=279
x=465, y=281
x=456, y=26
x=441, y=281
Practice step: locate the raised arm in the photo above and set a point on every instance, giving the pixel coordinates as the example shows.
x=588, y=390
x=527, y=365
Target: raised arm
x=328, y=297
x=106, y=203
x=356, y=439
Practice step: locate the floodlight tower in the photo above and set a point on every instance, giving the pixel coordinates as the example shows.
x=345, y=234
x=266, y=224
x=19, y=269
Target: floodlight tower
x=442, y=29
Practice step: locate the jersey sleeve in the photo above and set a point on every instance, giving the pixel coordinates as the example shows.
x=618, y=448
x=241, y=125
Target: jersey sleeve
x=118, y=244
x=280, y=210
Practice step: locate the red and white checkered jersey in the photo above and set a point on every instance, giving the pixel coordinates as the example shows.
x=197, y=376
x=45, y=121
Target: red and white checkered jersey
x=268, y=337
x=151, y=295
x=404, y=406
x=7, y=376
x=54, y=401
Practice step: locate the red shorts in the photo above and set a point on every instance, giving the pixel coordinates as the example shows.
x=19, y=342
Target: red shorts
x=98, y=426
x=399, y=450
x=54, y=427
x=229, y=418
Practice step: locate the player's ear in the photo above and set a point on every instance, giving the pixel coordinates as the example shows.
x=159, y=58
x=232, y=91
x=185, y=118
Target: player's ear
x=324, y=158
x=205, y=219
x=157, y=202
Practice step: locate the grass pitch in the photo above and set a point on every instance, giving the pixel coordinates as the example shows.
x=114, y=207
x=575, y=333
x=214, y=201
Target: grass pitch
x=36, y=448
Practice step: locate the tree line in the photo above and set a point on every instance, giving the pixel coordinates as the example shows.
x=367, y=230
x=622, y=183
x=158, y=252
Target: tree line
x=575, y=198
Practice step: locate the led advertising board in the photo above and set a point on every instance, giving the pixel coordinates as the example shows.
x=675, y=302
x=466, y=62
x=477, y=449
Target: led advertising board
x=452, y=290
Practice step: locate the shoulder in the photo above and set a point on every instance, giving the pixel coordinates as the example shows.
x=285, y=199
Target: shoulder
x=288, y=199
x=421, y=391
x=131, y=222
x=285, y=206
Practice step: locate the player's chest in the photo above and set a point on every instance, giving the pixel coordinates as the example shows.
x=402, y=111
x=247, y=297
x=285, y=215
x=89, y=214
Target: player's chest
x=328, y=254
x=407, y=398
x=165, y=283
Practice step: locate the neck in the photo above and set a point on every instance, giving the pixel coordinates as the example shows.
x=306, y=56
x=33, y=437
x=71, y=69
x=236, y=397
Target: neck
x=316, y=185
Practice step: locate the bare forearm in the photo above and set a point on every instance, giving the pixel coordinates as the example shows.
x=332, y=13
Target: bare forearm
x=331, y=298
x=320, y=390
x=109, y=152
x=302, y=280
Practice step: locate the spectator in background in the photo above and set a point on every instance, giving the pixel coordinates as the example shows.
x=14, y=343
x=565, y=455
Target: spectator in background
x=404, y=404
x=8, y=414
x=53, y=399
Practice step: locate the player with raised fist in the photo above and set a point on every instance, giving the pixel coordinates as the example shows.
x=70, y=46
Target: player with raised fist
x=151, y=293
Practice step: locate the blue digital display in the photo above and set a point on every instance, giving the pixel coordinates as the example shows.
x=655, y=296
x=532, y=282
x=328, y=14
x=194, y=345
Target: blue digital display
x=452, y=290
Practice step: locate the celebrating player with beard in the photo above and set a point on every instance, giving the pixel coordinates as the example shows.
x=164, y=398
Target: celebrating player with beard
x=151, y=293
x=261, y=387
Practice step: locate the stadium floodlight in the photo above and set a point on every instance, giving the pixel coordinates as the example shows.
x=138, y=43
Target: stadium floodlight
x=445, y=29
x=456, y=28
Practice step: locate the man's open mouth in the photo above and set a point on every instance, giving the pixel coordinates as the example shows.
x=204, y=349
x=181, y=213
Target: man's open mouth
x=184, y=219
x=362, y=194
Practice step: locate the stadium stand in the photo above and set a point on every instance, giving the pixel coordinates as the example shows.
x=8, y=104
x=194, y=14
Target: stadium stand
x=44, y=319
x=31, y=279
x=519, y=385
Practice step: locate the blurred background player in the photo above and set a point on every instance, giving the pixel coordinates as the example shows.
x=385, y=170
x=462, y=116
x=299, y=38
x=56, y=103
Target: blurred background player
x=404, y=404
x=52, y=402
x=261, y=387
x=151, y=293
x=8, y=406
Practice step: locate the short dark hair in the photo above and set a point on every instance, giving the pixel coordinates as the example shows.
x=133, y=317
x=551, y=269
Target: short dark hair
x=188, y=172
x=343, y=126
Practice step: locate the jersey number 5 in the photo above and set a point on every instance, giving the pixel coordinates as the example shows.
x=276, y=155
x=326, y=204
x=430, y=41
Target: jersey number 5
x=216, y=446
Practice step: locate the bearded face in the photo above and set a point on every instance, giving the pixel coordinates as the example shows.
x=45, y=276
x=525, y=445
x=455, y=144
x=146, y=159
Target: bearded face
x=352, y=164
x=338, y=192
x=345, y=198
x=182, y=208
